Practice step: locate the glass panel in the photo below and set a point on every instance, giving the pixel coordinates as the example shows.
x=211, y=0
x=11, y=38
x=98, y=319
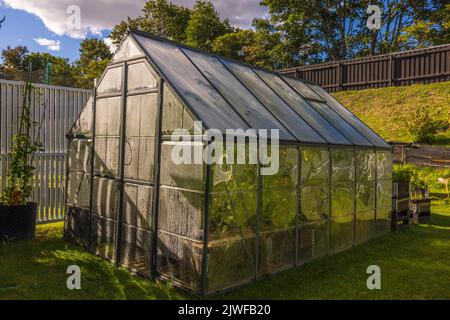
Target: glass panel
x=181, y=212
x=107, y=122
x=105, y=200
x=340, y=124
x=77, y=224
x=384, y=193
x=78, y=190
x=186, y=176
x=244, y=103
x=140, y=78
x=127, y=50
x=312, y=240
x=341, y=233
x=175, y=115
x=79, y=155
x=343, y=177
x=137, y=250
x=103, y=237
x=277, y=230
x=138, y=206
x=111, y=83
x=107, y=156
x=351, y=118
x=384, y=165
x=83, y=125
x=304, y=89
x=141, y=115
x=315, y=186
x=195, y=89
x=180, y=259
x=314, y=119
x=287, y=173
x=365, y=180
x=272, y=102
x=364, y=226
x=139, y=159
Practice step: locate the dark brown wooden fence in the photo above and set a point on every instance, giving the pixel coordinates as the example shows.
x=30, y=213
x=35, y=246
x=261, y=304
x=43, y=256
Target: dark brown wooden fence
x=395, y=69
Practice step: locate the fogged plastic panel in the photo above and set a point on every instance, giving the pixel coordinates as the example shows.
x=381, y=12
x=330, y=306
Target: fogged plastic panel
x=106, y=156
x=181, y=212
x=311, y=116
x=127, y=50
x=111, y=82
x=79, y=155
x=283, y=113
x=315, y=203
x=384, y=193
x=140, y=78
x=186, y=176
x=139, y=158
x=304, y=89
x=83, y=125
x=175, y=116
x=383, y=220
x=347, y=130
x=277, y=229
x=343, y=175
x=137, y=250
x=78, y=190
x=103, y=237
x=141, y=115
x=384, y=165
x=231, y=262
x=312, y=240
x=105, y=200
x=341, y=233
x=107, y=121
x=244, y=103
x=365, y=180
x=351, y=118
x=287, y=173
x=315, y=166
x=364, y=226
x=76, y=226
x=180, y=259
x=138, y=206
x=189, y=82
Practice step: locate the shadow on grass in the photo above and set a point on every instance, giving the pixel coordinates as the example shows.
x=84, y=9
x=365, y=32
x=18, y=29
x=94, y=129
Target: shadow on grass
x=37, y=270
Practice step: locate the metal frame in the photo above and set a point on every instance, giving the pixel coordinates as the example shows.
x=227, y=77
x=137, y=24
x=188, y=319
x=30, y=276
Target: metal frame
x=92, y=161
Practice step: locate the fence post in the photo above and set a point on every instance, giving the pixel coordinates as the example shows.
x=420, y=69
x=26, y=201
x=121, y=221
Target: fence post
x=339, y=75
x=391, y=70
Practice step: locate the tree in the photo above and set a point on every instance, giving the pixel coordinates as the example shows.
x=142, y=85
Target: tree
x=160, y=17
x=94, y=57
x=13, y=58
x=205, y=25
x=236, y=45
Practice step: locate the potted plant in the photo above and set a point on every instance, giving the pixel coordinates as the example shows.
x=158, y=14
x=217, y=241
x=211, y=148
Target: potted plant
x=420, y=203
x=402, y=175
x=17, y=214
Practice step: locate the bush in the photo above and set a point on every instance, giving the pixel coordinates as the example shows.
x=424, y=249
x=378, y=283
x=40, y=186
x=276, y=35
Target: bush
x=420, y=126
x=403, y=173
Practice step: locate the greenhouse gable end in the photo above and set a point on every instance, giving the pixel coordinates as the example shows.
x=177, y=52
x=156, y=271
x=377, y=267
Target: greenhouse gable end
x=210, y=227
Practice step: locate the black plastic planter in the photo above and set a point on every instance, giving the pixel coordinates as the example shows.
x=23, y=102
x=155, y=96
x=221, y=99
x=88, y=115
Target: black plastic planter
x=18, y=222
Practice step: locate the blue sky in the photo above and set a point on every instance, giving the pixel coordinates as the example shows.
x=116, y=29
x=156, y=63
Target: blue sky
x=41, y=25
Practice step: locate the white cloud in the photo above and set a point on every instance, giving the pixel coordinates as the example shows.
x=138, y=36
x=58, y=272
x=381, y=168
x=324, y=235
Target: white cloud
x=110, y=44
x=53, y=45
x=98, y=15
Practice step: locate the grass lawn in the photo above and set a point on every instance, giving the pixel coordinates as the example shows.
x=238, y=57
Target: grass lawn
x=385, y=109
x=415, y=264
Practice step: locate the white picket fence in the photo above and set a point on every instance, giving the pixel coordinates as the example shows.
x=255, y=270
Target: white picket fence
x=56, y=108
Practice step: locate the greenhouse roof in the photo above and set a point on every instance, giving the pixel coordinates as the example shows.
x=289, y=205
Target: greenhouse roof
x=226, y=94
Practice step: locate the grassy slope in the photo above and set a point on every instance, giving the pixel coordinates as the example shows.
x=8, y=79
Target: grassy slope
x=384, y=109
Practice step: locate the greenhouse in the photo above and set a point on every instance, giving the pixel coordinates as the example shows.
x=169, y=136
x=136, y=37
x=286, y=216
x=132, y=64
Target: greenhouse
x=208, y=227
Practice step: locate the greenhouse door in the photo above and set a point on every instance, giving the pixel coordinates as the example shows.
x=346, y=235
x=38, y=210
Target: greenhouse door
x=124, y=169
